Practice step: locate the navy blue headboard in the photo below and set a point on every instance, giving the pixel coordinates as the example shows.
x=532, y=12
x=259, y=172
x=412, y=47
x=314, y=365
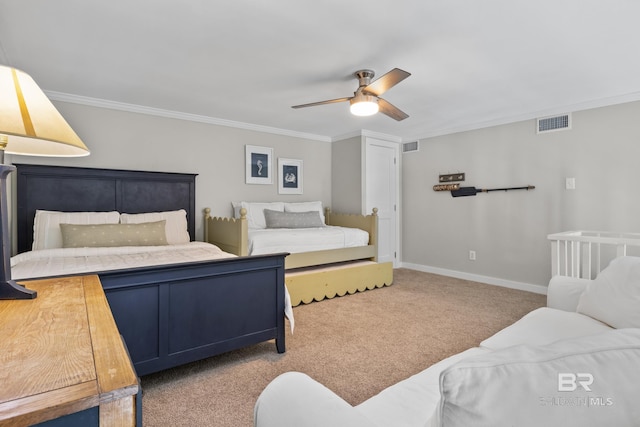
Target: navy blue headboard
x=71, y=189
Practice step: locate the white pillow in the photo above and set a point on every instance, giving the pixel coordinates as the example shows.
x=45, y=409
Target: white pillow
x=255, y=212
x=543, y=326
x=613, y=297
x=305, y=207
x=46, y=226
x=176, y=223
x=591, y=380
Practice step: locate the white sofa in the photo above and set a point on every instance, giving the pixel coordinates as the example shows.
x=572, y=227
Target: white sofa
x=574, y=362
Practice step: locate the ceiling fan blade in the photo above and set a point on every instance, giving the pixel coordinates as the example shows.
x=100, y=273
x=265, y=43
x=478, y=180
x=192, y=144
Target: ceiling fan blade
x=386, y=82
x=330, y=101
x=391, y=110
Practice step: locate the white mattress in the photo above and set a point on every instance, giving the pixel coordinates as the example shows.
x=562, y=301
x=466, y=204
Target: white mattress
x=293, y=240
x=54, y=262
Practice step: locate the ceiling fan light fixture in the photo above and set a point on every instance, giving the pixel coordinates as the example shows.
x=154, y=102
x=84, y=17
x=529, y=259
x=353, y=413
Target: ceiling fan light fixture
x=364, y=105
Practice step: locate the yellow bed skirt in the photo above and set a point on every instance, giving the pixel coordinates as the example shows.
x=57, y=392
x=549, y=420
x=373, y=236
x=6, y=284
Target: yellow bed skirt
x=316, y=284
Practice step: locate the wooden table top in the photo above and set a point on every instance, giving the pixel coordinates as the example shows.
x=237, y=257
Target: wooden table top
x=61, y=352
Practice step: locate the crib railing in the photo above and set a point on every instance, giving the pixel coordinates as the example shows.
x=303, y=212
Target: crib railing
x=584, y=254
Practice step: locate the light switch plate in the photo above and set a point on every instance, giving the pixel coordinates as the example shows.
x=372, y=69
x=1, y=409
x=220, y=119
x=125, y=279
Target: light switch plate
x=570, y=184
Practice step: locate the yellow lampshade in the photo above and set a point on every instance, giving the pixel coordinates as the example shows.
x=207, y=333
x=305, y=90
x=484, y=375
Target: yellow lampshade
x=31, y=122
x=364, y=105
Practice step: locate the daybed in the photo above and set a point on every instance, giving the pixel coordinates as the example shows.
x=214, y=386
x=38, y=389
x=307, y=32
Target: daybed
x=329, y=254
x=572, y=363
x=194, y=307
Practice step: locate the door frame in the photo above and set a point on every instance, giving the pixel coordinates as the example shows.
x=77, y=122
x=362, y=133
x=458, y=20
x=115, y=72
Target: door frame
x=366, y=142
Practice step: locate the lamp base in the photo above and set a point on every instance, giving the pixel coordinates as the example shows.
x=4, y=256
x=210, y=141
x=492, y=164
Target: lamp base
x=9, y=289
x=12, y=290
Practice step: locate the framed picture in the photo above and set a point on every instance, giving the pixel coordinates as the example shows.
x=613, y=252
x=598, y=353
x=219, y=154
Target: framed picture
x=290, y=177
x=258, y=165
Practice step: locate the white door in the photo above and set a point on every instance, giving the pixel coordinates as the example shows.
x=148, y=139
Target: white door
x=381, y=181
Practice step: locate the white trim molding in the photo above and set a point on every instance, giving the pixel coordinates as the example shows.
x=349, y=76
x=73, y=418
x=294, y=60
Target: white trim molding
x=141, y=109
x=498, y=121
x=538, y=289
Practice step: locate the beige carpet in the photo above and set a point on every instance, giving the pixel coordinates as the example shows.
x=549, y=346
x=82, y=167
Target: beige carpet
x=356, y=345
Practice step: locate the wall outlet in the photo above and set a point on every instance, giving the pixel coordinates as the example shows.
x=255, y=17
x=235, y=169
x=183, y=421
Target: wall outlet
x=472, y=255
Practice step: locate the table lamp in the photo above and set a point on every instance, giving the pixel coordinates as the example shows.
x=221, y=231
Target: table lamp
x=29, y=125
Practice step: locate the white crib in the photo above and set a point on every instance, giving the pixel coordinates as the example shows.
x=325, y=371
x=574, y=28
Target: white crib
x=583, y=254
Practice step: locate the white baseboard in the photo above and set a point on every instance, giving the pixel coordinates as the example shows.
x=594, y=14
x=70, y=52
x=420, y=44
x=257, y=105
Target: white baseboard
x=538, y=289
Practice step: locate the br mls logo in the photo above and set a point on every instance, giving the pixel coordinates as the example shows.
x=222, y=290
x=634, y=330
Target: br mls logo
x=570, y=382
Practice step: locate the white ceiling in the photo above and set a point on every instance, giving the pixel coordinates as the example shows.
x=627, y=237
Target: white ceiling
x=473, y=63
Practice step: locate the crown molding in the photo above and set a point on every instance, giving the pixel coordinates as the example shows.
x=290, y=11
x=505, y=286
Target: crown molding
x=134, y=108
x=368, y=134
x=581, y=106
x=140, y=109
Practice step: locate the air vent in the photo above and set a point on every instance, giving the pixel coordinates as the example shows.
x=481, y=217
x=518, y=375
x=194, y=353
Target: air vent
x=555, y=123
x=409, y=147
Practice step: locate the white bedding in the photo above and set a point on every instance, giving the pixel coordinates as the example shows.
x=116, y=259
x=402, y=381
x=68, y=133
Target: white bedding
x=53, y=262
x=293, y=240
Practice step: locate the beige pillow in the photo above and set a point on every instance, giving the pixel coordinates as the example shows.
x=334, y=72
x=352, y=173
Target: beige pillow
x=111, y=235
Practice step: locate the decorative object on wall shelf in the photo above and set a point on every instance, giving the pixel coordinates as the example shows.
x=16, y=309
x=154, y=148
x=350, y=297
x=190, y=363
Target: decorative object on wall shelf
x=258, y=164
x=446, y=187
x=451, y=177
x=472, y=191
x=290, y=176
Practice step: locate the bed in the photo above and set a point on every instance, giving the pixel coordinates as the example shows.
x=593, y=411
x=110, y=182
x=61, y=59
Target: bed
x=168, y=314
x=318, y=266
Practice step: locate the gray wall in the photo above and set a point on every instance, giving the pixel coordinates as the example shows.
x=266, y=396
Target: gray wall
x=508, y=229
x=346, y=175
x=124, y=140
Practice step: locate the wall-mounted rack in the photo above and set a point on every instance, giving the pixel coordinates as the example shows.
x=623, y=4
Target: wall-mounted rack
x=472, y=191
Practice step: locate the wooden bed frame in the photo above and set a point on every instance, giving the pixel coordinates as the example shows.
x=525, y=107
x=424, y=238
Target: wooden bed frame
x=313, y=276
x=173, y=314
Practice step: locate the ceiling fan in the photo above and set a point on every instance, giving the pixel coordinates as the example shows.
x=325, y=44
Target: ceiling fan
x=366, y=99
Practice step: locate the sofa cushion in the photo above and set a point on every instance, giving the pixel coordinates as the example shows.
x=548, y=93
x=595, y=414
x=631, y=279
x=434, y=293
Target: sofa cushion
x=295, y=399
x=412, y=401
x=591, y=380
x=564, y=292
x=613, y=297
x=544, y=326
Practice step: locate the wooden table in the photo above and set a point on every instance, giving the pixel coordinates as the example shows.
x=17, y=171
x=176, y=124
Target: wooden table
x=62, y=358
